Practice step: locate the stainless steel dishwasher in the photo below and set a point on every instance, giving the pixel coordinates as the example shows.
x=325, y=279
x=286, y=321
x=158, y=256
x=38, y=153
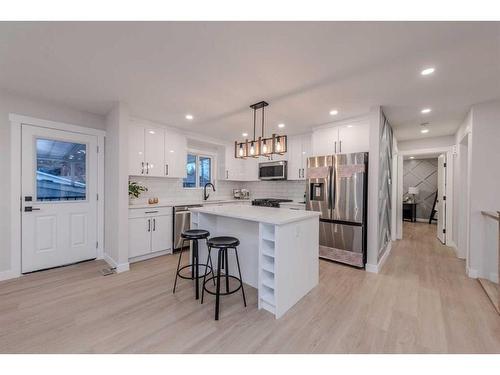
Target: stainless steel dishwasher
x=181, y=222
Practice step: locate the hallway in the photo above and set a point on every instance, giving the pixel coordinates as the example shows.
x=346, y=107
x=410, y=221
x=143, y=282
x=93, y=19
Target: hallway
x=421, y=302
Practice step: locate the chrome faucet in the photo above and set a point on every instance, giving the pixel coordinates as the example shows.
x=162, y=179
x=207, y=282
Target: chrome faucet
x=205, y=195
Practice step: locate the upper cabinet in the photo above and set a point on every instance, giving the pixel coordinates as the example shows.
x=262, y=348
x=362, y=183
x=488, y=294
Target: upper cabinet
x=175, y=154
x=299, y=149
x=153, y=151
x=234, y=169
x=342, y=138
x=156, y=151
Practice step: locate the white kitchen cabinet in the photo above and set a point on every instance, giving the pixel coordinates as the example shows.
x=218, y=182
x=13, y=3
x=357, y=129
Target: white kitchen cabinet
x=354, y=138
x=150, y=231
x=136, y=151
x=299, y=149
x=161, y=233
x=175, y=154
x=139, y=236
x=342, y=138
x=154, y=151
x=232, y=168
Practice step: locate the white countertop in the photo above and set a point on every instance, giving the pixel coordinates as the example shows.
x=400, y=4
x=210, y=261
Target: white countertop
x=173, y=202
x=268, y=215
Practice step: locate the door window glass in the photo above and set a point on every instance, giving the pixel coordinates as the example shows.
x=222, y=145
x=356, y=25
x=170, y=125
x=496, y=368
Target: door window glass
x=61, y=170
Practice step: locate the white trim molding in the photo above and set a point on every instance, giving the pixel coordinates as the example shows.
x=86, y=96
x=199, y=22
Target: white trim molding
x=118, y=267
x=376, y=268
x=16, y=122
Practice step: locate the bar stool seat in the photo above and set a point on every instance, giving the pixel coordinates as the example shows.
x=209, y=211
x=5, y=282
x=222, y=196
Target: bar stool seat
x=194, y=235
x=222, y=244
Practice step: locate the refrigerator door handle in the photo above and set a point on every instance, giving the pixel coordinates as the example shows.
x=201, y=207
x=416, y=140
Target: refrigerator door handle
x=334, y=188
x=330, y=181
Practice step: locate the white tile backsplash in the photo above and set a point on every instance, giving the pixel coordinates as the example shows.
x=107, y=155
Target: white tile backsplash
x=277, y=189
x=171, y=189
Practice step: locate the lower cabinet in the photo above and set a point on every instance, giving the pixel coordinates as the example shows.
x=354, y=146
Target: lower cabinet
x=150, y=231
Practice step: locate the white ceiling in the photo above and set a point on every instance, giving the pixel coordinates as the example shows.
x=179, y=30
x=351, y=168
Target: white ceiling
x=215, y=70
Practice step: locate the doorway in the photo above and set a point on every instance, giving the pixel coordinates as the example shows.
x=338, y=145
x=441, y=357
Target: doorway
x=423, y=190
x=59, y=212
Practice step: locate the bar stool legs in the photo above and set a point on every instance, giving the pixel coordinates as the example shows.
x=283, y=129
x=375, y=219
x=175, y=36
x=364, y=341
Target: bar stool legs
x=194, y=266
x=223, y=264
x=178, y=266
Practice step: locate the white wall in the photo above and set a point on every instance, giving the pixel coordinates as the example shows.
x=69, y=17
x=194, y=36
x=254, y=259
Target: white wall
x=116, y=187
x=14, y=103
x=461, y=194
x=484, y=186
x=424, y=143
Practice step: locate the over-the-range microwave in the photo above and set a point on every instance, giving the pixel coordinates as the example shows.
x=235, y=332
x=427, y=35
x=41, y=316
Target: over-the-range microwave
x=274, y=170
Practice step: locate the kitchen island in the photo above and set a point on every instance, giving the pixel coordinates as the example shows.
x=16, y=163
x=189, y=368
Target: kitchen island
x=278, y=249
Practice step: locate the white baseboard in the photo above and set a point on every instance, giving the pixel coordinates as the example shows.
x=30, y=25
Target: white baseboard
x=493, y=277
x=149, y=256
x=9, y=274
x=118, y=267
x=375, y=268
x=472, y=273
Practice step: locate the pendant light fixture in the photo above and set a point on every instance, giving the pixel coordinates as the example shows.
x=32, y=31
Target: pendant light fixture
x=277, y=144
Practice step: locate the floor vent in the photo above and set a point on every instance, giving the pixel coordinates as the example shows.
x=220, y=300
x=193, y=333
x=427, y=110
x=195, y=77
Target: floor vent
x=108, y=271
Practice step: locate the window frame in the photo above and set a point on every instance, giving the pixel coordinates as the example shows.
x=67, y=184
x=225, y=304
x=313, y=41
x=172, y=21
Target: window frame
x=203, y=154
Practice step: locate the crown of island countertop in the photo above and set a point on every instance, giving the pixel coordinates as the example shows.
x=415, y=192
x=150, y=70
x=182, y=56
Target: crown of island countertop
x=268, y=215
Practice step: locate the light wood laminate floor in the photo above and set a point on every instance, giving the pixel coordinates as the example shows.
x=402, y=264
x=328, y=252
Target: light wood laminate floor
x=421, y=302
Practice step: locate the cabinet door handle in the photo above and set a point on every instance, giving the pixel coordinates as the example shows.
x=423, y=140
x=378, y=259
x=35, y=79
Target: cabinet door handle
x=142, y=168
x=154, y=225
x=147, y=168
x=340, y=146
x=335, y=146
x=166, y=169
x=149, y=225
x=227, y=174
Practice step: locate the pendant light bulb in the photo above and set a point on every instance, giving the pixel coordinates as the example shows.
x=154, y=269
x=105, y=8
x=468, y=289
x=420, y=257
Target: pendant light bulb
x=241, y=150
x=252, y=149
x=264, y=148
x=278, y=145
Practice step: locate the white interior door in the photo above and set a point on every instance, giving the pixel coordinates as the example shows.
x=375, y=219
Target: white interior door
x=59, y=198
x=441, y=199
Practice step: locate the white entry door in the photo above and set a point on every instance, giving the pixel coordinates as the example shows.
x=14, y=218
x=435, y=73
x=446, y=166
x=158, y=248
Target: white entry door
x=441, y=199
x=59, y=198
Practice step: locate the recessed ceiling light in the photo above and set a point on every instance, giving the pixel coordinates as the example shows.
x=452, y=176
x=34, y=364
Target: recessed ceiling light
x=424, y=130
x=412, y=157
x=349, y=126
x=427, y=71
x=151, y=132
x=334, y=112
x=189, y=117
x=281, y=125
x=172, y=151
x=244, y=134
x=425, y=110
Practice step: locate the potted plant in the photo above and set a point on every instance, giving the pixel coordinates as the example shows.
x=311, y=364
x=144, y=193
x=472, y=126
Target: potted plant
x=135, y=190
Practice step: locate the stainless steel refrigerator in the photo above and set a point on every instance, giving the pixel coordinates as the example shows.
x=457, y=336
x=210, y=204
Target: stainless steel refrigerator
x=337, y=188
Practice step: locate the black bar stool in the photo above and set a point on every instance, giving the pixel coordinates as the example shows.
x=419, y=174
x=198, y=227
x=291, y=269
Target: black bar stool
x=223, y=244
x=194, y=235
